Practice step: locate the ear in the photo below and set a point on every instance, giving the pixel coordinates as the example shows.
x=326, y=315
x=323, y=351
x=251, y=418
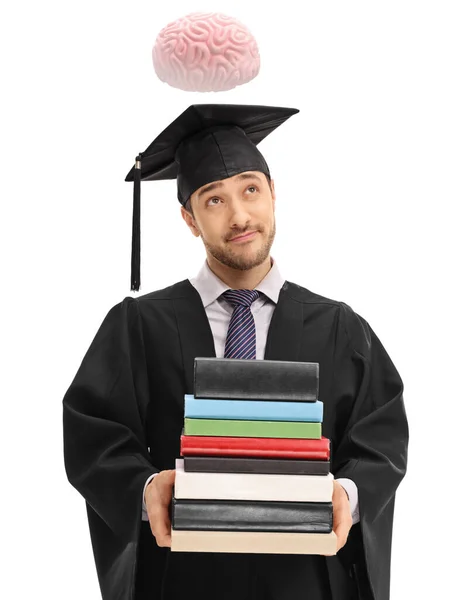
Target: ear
x=189, y=220
x=273, y=192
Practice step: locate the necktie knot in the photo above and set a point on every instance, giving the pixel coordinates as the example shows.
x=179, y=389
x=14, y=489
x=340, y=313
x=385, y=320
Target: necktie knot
x=241, y=297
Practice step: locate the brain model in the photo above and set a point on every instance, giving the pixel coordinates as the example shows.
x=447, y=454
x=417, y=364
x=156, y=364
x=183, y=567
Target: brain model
x=205, y=52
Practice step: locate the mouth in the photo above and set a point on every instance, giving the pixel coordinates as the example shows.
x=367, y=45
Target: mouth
x=245, y=237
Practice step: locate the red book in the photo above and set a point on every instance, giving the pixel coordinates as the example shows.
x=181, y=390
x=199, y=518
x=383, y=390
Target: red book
x=309, y=449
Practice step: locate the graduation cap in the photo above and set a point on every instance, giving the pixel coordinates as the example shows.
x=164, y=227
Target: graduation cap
x=206, y=143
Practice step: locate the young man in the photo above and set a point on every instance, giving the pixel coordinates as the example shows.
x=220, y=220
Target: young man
x=123, y=412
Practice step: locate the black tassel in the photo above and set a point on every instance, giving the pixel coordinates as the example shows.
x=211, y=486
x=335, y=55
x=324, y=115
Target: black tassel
x=136, y=233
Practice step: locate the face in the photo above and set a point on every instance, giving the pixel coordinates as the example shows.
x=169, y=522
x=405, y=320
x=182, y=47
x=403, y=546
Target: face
x=235, y=219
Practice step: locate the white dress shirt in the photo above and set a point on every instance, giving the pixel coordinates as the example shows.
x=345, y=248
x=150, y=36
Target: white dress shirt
x=219, y=312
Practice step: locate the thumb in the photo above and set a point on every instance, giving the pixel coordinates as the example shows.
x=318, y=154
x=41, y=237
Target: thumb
x=166, y=483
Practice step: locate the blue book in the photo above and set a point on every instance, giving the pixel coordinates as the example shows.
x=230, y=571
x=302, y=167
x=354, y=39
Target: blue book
x=253, y=410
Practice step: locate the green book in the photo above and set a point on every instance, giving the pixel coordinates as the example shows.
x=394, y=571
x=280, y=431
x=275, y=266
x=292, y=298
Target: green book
x=264, y=429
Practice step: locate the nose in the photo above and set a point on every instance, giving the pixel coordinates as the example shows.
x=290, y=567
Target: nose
x=239, y=215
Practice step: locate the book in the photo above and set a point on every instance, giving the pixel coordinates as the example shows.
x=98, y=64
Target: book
x=226, y=464
x=194, y=445
x=261, y=429
x=239, y=378
x=254, y=542
x=252, y=410
x=234, y=515
x=252, y=486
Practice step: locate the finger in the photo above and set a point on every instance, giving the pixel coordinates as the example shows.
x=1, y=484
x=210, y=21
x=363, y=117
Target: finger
x=165, y=535
x=168, y=476
x=162, y=540
x=341, y=531
x=340, y=540
x=160, y=523
x=165, y=486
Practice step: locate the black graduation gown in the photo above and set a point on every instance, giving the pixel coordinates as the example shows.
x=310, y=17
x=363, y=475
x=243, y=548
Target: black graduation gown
x=127, y=396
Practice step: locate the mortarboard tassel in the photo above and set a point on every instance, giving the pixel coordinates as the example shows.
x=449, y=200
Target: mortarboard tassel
x=136, y=232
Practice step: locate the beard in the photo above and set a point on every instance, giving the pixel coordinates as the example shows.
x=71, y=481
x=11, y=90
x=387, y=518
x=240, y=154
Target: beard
x=239, y=261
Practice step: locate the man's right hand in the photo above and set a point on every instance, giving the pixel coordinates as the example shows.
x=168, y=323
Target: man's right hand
x=158, y=496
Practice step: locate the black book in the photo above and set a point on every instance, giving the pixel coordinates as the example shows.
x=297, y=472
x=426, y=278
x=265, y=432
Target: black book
x=238, y=515
x=242, y=379
x=229, y=464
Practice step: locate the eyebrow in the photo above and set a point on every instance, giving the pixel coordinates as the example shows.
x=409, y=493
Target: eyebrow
x=219, y=184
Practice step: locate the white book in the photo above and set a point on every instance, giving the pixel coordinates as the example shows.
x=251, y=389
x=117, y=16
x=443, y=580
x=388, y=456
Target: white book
x=255, y=542
x=252, y=486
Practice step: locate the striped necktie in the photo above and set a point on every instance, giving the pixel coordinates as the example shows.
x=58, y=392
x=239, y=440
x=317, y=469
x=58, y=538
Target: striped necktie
x=240, y=341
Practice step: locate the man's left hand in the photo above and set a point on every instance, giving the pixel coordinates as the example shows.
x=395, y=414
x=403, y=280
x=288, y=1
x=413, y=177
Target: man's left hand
x=342, y=522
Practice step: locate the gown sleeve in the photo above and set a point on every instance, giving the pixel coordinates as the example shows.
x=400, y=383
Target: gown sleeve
x=373, y=450
x=105, y=451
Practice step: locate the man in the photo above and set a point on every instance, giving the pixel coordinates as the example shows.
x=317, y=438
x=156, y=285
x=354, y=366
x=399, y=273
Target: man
x=123, y=413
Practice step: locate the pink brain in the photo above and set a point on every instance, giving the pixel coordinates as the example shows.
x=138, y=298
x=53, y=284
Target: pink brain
x=205, y=52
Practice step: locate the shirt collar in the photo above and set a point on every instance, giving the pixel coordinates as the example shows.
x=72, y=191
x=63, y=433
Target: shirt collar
x=210, y=287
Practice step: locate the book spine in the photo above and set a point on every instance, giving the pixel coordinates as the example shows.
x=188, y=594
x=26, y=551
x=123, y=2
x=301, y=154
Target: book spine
x=249, y=410
x=255, y=447
x=262, y=429
x=224, y=464
x=252, y=486
x=261, y=542
x=226, y=378
x=300, y=517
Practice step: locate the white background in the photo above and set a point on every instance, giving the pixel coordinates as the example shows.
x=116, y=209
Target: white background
x=362, y=177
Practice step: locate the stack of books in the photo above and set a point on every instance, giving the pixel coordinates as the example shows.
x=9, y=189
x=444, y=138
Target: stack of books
x=255, y=469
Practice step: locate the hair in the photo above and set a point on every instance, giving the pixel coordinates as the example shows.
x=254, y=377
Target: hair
x=189, y=208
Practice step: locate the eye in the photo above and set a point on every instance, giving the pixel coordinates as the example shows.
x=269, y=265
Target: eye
x=253, y=187
x=213, y=198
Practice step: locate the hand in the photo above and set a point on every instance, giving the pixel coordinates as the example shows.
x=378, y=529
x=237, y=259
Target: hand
x=157, y=497
x=342, y=520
